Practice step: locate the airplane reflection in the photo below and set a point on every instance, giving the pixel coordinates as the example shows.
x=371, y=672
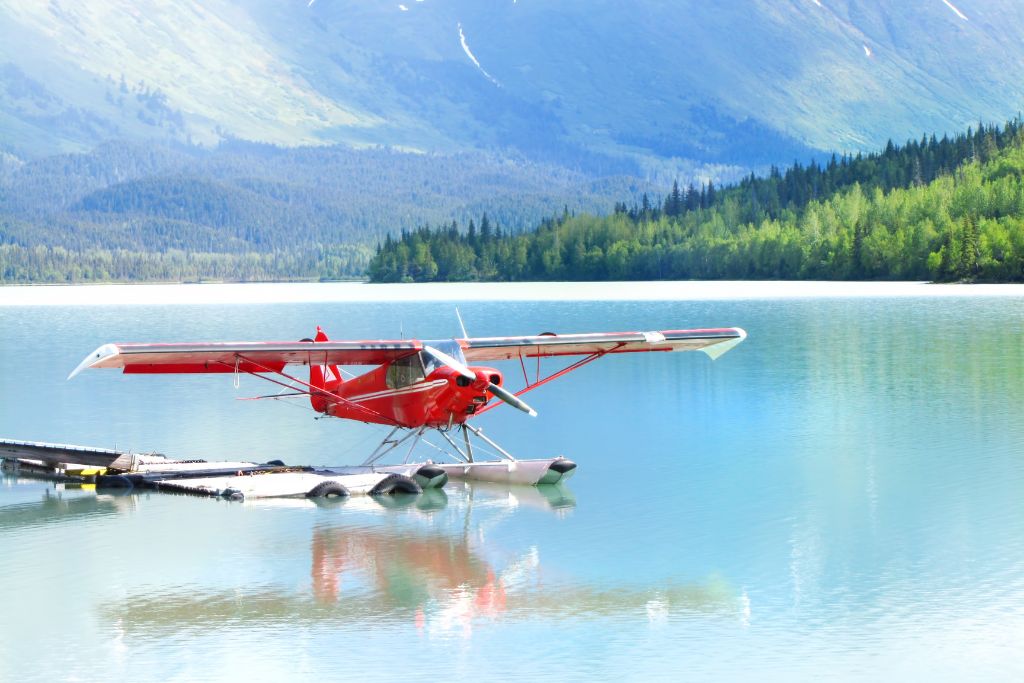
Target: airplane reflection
x=402, y=569
x=555, y=497
x=445, y=583
x=432, y=569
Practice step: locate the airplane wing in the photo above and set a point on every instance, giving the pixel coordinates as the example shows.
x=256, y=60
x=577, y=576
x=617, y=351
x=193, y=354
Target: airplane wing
x=243, y=356
x=713, y=342
x=249, y=357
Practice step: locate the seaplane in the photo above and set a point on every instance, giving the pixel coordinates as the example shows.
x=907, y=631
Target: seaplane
x=419, y=388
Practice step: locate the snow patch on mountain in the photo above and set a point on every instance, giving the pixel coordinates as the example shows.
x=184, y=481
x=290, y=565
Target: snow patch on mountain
x=469, y=53
x=956, y=10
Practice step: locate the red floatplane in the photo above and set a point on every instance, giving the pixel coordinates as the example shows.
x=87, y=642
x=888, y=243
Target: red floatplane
x=417, y=386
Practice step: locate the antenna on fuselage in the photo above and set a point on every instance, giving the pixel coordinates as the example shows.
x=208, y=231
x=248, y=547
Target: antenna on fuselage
x=465, y=335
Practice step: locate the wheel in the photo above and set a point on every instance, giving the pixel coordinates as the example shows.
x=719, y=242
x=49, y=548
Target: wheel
x=327, y=489
x=395, y=483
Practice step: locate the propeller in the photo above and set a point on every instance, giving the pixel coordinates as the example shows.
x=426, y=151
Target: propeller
x=511, y=399
x=464, y=370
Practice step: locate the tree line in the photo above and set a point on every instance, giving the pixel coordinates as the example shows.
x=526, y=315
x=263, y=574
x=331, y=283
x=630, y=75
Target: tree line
x=948, y=209
x=59, y=265
x=274, y=213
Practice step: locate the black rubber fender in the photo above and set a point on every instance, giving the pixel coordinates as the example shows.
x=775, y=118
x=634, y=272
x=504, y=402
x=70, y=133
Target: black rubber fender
x=328, y=489
x=232, y=494
x=395, y=483
x=113, y=481
x=275, y=463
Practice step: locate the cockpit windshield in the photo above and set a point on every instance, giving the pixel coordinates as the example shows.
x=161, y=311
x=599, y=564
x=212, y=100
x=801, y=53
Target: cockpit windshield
x=449, y=346
x=415, y=368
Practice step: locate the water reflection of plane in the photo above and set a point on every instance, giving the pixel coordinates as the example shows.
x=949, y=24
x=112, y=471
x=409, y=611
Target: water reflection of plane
x=556, y=497
x=435, y=572
x=443, y=583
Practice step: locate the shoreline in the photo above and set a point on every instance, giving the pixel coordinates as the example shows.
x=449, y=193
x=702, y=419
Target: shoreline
x=299, y=292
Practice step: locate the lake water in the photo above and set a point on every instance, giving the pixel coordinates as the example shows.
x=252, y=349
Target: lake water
x=839, y=497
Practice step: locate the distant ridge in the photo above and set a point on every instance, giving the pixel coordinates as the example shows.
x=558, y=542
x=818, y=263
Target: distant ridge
x=671, y=90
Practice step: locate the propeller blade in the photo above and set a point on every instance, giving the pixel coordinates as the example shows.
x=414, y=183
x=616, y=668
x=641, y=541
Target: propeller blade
x=461, y=368
x=511, y=399
x=455, y=365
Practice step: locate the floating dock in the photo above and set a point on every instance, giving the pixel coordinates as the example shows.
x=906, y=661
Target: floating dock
x=107, y=468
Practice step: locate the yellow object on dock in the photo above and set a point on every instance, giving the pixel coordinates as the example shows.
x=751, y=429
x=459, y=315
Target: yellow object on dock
x=84, y=471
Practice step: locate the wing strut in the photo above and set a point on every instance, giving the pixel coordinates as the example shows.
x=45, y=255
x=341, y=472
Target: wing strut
x=564, y=371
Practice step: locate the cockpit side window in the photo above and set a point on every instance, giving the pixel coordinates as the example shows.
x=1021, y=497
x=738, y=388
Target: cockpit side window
x=405, y=371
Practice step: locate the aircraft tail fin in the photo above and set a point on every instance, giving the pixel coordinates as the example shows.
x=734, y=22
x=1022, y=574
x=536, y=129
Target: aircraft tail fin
x=326, y=377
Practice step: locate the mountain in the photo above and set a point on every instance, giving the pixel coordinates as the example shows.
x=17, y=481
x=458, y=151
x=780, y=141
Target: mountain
x=656, y=88
x=249, y=139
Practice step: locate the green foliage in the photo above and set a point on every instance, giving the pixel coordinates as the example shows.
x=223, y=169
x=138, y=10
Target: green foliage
x=942, y=210
x=58, y=265
x=273, y=213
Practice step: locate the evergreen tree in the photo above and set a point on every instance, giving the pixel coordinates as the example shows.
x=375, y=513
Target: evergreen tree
x=674, y=201
x=692, y=200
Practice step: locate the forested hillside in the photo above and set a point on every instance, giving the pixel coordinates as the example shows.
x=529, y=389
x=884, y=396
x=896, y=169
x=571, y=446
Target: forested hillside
x=255, y=212
x=949, y=209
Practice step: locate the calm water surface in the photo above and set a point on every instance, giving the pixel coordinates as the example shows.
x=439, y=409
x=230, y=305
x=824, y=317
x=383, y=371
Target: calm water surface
x=841, y=496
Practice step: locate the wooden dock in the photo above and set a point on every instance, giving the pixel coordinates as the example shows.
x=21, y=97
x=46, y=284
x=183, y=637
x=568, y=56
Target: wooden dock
x=56, y=455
